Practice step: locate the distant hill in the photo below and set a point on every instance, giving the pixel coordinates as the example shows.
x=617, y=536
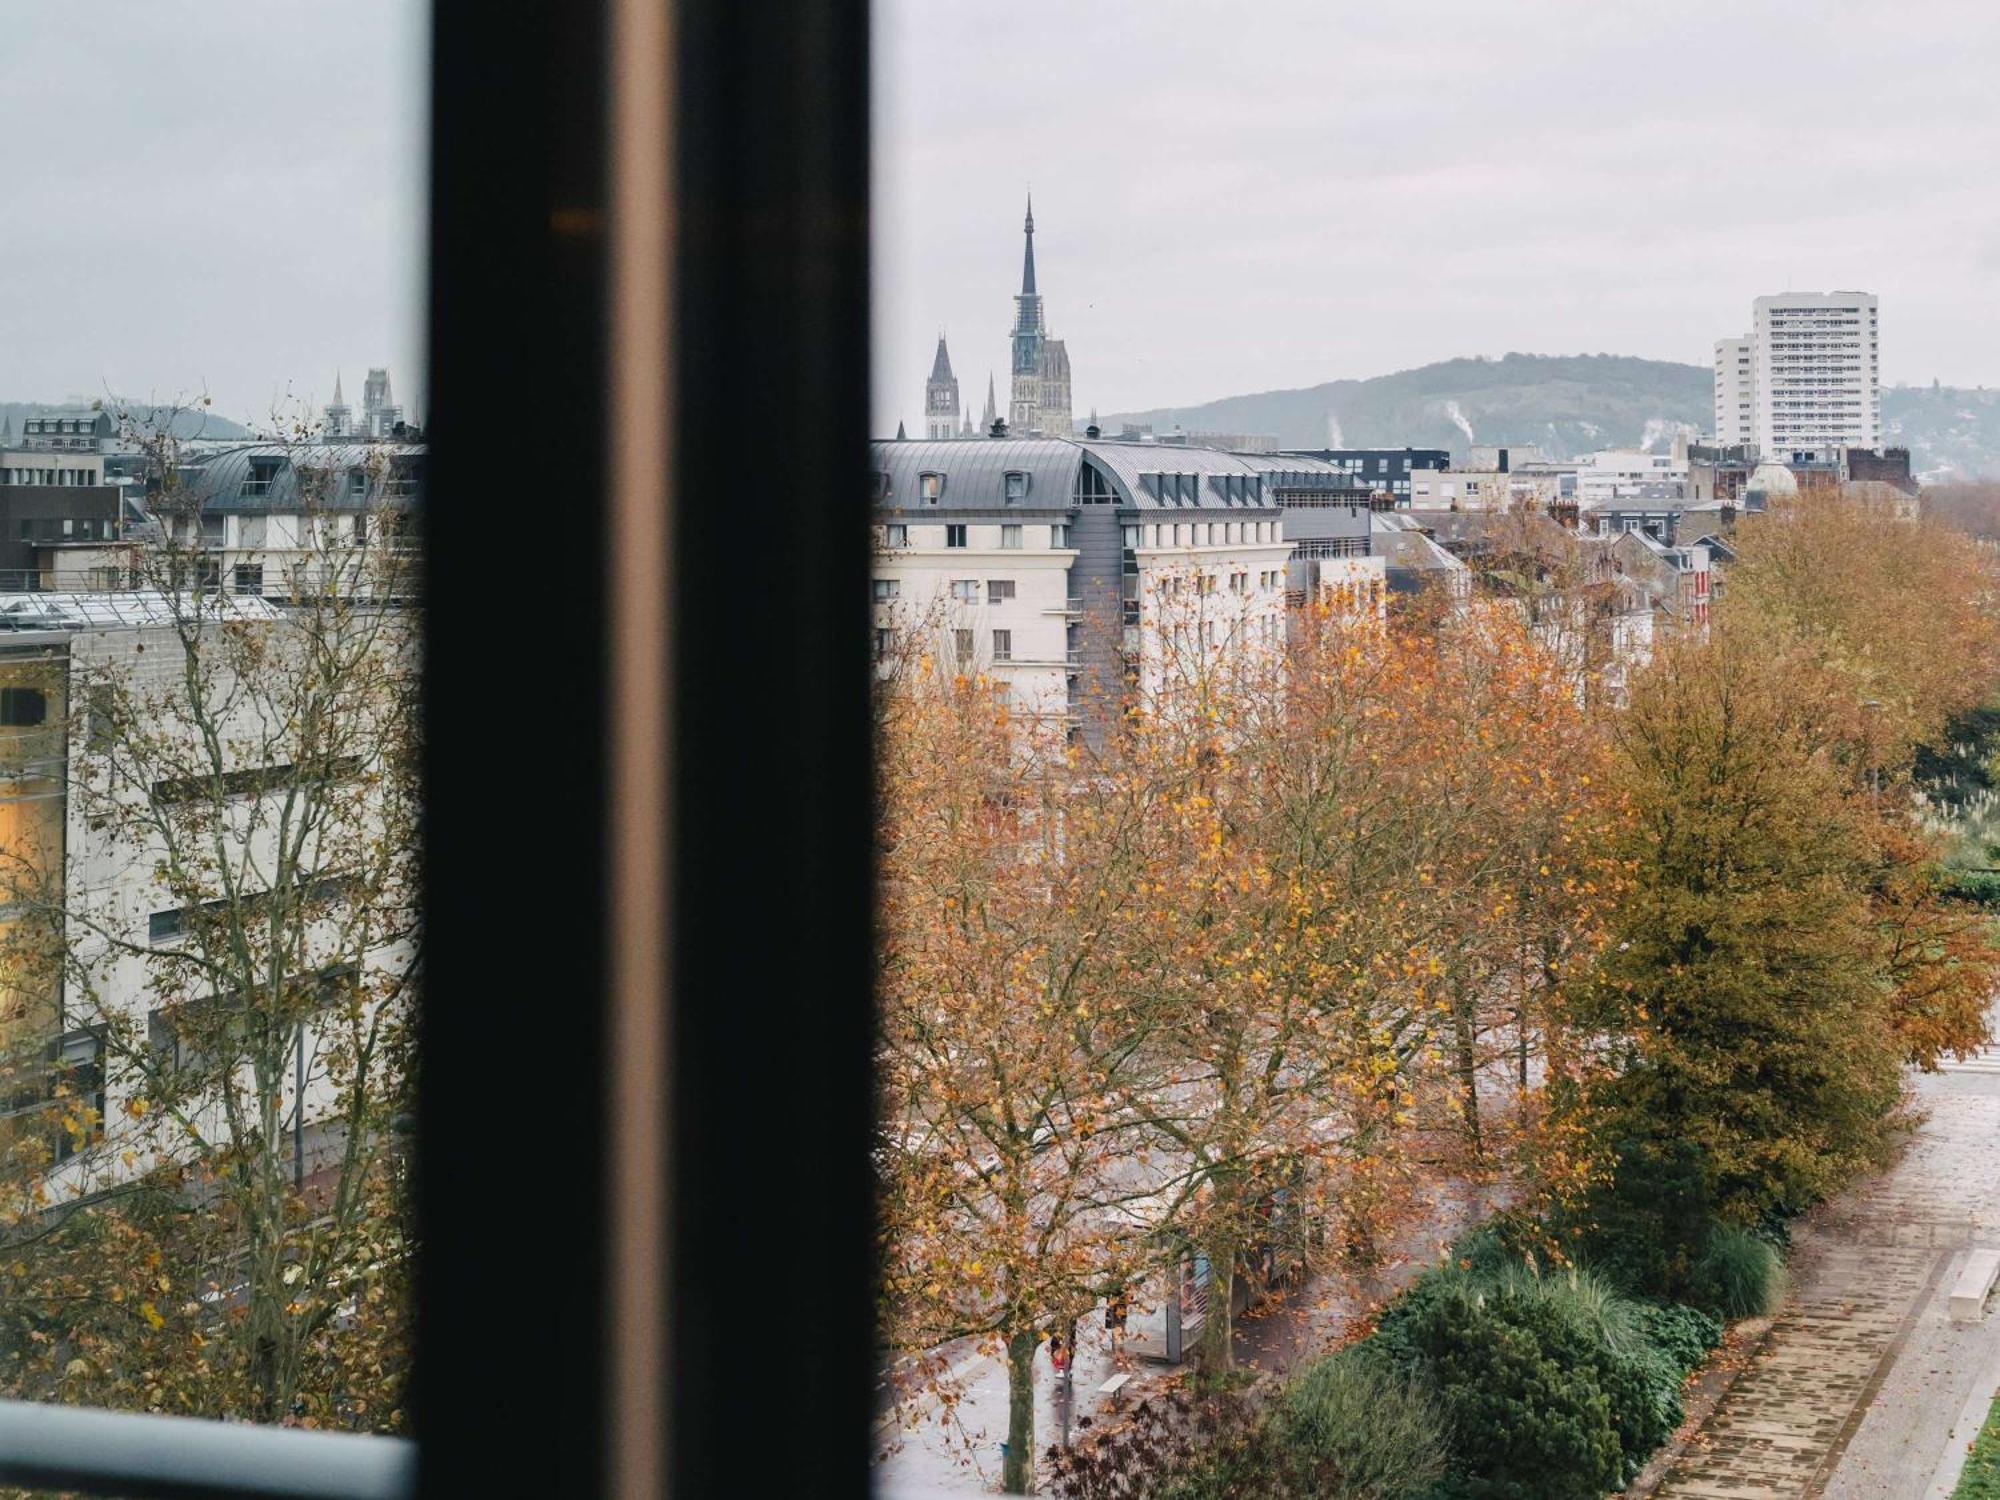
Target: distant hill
x=186, y=424
x=1564, y=403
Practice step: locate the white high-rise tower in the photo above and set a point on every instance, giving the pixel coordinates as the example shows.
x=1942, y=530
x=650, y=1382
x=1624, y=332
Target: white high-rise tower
x=1735, y=393
x=1808, y=377
x=1816, y=362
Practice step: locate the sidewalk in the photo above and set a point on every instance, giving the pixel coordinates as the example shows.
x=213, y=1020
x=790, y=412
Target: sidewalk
x=1296, y=1327
x=1864, y=1378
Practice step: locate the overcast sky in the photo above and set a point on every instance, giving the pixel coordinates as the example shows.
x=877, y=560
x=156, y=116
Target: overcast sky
x=224, y=195
x=1245, y=196
x=228, y=196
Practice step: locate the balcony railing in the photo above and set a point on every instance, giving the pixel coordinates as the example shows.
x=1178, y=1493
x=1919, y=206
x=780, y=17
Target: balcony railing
x=128, y=1453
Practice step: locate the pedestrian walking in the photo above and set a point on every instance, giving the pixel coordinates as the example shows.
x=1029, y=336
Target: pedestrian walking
x=1116, y=1310
x=1059, y=1356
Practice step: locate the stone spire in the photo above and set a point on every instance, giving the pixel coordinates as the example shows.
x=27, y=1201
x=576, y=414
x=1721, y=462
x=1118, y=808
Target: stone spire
x=941, y=408
x=987, y=417
x=1028, y=260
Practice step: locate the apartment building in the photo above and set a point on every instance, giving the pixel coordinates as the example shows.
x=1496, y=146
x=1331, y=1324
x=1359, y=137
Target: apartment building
x=1381, y=470
x=1612, y=474
x=1814, y=375
x=262, y=512
x=1735, y=394
x=124, y=927
x=1493, y=478
x=1077, y=572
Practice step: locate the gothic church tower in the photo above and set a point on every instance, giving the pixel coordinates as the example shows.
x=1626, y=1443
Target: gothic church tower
x=1040, y=398
x=941, y=408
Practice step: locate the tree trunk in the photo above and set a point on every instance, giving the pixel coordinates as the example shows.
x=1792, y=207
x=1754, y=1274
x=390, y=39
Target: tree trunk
x=1017, y=1473
x=1215, y=1354
x=1467, y=1046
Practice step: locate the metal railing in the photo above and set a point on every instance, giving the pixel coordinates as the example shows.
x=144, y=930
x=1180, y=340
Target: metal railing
x=138, y=1454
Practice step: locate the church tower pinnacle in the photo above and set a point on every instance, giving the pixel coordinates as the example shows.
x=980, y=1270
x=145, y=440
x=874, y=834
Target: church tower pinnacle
x=1028, y=260
x=941, y=408
x=1039, y=401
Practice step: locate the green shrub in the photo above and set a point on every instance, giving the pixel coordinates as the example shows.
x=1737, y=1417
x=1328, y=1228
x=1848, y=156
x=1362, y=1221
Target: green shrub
x=1683, y=1334
x=1738, y=1275
x=1353, y=1428
x=1537, y=1401
x=1645, y=1228
x=1518, y=1383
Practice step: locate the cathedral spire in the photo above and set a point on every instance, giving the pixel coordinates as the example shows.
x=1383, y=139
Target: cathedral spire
x=1028, y=260
x=338, y=399
x=986, y=417
x=941, y=365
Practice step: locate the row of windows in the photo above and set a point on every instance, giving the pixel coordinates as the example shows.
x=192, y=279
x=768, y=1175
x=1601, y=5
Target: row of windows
x=930, y=486
x=48, y=476
x=956, y=535
x=1203, y=534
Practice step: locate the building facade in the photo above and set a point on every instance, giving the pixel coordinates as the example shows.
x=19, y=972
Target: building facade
x=1735, y=394
x=1814, y=375
x=1040, y=404
x=1632, y=474
x=1076, y=574
x=1382, y=470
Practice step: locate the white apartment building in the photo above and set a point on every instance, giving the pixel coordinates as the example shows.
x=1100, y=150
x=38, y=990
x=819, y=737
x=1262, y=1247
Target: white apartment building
x=1632, y=474
x=1735, y=393
x=123, y=927
x=1075, y=572
x=1815, y=378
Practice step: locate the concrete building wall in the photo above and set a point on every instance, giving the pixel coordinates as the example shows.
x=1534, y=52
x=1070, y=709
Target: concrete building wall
x=1735, y=393
x=1815, y=363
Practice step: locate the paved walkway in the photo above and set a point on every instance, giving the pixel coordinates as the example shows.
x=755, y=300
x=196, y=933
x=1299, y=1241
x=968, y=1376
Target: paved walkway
x=959, y=1451
x=1860, y=1390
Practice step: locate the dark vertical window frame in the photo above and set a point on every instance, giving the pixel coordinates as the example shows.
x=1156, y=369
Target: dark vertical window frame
x=511, y=1379
x=757, y=832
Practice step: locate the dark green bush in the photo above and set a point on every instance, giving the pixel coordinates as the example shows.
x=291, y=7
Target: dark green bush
x=1521, y=1372
x=1353, y=1428
x=1683, y=1334
x=1645, y=1228
x=1738, y=1275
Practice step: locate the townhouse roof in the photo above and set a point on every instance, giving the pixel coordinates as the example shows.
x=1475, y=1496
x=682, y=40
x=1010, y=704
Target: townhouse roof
x=233, y=479
x=1144, y=476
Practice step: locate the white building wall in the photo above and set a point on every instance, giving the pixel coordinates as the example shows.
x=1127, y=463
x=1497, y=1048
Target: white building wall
x=1211, y=597
x=1735, y=393
x=1627, y=473
x=1010, y=577
x=1815, y=363
x=113, y=890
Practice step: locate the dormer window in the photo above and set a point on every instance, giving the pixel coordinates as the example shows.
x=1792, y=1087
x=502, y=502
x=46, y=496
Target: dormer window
x=1017, y=486
x=878, y=485
x=931, y=487
x=262, y=472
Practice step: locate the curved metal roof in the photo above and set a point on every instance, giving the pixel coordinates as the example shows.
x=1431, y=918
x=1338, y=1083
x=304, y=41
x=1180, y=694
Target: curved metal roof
x=218, y=477
x=975, y=473
x=1135, y=467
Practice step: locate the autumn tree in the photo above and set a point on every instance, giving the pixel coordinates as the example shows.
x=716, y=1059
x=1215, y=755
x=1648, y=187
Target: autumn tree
x=1744, y=984
x=228, y=1236
x=1012, y=1201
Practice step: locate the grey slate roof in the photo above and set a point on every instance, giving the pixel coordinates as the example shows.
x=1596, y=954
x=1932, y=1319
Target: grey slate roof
x=975, y=471
x=219, y=476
